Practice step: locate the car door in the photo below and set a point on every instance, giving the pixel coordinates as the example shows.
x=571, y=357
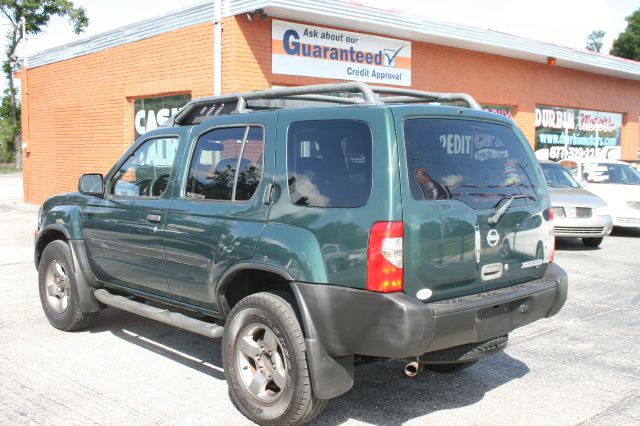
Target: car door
x=218, y=209
x=123, y=232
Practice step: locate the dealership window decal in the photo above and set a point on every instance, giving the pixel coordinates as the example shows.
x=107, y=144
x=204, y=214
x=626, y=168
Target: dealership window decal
x=567, y=132
x=150, y=113
x=312, y=51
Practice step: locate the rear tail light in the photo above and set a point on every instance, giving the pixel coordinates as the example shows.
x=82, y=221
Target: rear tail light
x=552, y=237
x=384, y=257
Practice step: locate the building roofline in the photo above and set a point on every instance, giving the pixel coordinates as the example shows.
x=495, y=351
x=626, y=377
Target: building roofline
x=174, y=20
x=357, y=17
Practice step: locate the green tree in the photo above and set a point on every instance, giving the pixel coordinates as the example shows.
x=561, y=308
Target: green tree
x=7, y=130
x=37, y=14
x=627, y=45
x=594, y=40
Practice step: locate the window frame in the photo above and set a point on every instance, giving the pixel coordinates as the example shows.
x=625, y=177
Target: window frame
x=371, y=140
x=196, y=139
x=110, y=181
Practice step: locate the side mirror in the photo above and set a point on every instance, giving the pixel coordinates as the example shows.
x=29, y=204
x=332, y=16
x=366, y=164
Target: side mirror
x=91, y=184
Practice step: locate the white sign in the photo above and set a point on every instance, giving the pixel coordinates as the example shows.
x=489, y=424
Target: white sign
x=311, y=51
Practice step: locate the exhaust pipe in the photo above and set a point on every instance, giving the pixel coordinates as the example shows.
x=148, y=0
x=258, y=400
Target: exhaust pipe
x=411, y=369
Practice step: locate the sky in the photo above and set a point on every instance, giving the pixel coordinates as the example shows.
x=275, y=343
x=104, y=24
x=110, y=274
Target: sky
x=561, y=22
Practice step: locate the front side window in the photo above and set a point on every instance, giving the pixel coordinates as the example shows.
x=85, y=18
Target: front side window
x=329, y=163
x=146, y=172
x=226, y=161
x=475, y=162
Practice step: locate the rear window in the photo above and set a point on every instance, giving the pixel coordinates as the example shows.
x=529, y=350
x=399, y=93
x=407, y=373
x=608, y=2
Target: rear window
x=329, y=163
x=474, y=162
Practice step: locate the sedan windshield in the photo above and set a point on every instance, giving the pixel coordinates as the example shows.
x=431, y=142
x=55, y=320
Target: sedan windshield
x=611, y=173
x=557, y=176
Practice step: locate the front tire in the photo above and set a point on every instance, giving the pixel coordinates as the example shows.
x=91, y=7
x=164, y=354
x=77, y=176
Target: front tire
x=58, y=289
x=592, y=242
x=263, y=354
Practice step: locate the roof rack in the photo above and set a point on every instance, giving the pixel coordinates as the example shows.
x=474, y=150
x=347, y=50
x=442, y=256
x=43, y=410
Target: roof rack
x=201, y=109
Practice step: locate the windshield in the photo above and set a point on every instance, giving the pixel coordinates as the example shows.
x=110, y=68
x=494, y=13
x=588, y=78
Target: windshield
x=475, y=162
x=610, y=173
x=558, y=177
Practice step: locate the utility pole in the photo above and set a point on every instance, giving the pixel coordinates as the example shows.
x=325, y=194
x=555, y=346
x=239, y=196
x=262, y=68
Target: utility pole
x=25, y=93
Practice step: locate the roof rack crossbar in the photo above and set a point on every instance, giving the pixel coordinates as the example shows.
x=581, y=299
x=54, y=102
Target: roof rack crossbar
x=318, y=89
x=323, y=98
x=409, y=96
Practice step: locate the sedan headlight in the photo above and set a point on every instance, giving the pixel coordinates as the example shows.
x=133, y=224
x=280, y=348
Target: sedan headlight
x=603, y=211
x=634, y=204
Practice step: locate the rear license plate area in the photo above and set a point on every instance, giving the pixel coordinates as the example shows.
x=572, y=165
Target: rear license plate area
x=496, y=320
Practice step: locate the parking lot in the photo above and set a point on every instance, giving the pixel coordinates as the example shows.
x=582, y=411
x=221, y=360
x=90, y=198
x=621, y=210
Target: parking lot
x=578, y=367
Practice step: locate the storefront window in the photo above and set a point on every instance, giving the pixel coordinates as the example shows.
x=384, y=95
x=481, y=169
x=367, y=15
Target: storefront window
x=567, y=132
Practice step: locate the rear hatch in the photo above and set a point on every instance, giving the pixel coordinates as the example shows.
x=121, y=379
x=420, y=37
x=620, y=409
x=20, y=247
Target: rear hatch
x=475, y=216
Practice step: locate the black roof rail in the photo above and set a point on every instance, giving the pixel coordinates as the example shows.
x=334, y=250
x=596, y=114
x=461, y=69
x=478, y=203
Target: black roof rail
x=201, y=109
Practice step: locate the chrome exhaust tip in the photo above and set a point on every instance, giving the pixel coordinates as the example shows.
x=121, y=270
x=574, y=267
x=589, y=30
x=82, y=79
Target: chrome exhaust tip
x=411, y=369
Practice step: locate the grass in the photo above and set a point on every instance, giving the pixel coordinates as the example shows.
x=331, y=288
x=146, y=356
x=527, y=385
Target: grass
x=8, y=168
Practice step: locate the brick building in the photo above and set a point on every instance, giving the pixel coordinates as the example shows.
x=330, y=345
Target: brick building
x=84, y=103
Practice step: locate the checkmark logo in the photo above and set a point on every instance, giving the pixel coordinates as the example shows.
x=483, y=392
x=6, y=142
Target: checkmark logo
x=391, y=54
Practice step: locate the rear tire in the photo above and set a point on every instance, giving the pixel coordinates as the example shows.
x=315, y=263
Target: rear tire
x=264, y=358
x=592, y=242
x=449, y=367
x=58, y=289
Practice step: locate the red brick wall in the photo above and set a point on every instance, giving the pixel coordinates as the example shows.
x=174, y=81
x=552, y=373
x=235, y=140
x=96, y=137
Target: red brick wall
x=81, y=110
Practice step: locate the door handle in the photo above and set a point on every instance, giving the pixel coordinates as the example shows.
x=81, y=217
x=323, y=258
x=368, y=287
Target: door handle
x=269, y=194
x=154, y=218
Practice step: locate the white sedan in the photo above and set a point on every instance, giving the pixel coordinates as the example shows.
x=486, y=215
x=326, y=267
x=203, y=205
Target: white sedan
x=614, y=181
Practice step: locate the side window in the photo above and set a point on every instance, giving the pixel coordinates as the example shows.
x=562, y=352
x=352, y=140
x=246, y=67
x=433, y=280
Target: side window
x=223, y=161
x=329, y=163
x=146, y=172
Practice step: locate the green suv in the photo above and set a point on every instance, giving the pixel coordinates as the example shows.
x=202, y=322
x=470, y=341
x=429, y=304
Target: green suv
x=313, y=229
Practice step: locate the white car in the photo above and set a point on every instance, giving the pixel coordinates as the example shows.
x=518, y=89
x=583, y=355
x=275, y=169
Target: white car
x=614, y=181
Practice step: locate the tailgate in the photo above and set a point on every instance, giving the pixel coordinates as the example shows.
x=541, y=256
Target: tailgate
x=475, y=216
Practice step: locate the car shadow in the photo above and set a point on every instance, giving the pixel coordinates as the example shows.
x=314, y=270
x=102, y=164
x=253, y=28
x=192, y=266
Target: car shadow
x=201, y=353
x=382, y=394
x=625, y=232
x=574, y=244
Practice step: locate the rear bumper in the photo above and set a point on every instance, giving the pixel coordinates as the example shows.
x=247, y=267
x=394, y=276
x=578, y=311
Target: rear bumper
x=348, y=321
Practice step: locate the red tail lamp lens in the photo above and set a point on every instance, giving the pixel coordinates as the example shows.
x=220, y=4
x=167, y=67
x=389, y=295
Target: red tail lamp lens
x=385, y=258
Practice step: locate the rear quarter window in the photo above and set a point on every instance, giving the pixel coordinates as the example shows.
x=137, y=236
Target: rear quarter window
x=329, y=163
x=475, y=162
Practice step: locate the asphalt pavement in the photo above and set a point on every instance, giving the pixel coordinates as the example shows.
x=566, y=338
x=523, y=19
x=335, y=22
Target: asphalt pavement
x=579, y=367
